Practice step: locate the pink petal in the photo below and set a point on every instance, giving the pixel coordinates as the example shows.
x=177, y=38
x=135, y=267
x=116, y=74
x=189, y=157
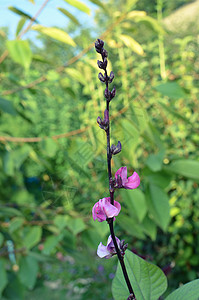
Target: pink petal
x=109, y=209
x=122, y=172
x=98, y=212
x=133, y=181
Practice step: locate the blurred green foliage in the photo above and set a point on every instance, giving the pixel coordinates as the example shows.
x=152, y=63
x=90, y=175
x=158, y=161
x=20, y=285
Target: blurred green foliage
x=48, y=239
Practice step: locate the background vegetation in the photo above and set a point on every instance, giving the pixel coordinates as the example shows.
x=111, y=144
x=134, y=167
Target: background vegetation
x=53, y=154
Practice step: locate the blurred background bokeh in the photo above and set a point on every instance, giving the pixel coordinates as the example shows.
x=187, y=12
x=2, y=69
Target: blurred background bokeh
x=53, y=154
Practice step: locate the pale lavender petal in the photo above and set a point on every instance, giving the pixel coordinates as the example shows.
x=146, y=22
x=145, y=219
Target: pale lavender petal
x=133, y=181
x=102, y=251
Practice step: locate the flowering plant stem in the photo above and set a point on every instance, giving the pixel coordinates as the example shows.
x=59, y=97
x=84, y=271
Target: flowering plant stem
x=109, y=95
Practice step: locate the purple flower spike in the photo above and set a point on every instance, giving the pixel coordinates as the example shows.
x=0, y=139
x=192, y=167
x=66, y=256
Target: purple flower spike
x=103, y=209
x=106, y=116
x=122, y=181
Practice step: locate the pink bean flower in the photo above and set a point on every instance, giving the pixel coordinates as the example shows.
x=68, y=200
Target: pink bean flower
x=122, y=181
x=109, y=250
x=103, y=209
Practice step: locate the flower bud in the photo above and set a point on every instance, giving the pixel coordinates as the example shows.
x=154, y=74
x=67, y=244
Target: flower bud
x=99, y=120
x=113, y=92
x=101, y=77
x=104, y=53
x=107, y=94
x=99, y=45
x=111, y=77
x=116, y=149
x=100, y=64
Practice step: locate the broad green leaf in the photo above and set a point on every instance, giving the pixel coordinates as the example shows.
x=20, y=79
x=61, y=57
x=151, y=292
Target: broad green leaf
x=132, y=44
x=161, y=179
x=20, y=52
x=55, y=33
x=154, y=161
x=7, y=106
x=185, y=167
x=61, y=221
x=32, y=237
x=69, y=15
x=171, y=90
x=189, y=291
x=81, y=6
x=21, y=13
x=15, y=224
x=158, y=204
x=3, y=275
x=147, y=280
x=135, y=201
x=50, y=243
x=20, y=25
x=28, y=269
x=76, y=225
x=8, y=212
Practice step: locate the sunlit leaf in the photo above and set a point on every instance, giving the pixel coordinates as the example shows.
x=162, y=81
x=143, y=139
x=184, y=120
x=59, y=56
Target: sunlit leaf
x=135, y=13
x=69, y=15
x=21, y=13
x=171, y=89
x=98, y=3
x=132, y=44
x=20, y=25
x=148, y=281
x=20, y=52
x=150, y=22
x=81, y=6
x=55, y=33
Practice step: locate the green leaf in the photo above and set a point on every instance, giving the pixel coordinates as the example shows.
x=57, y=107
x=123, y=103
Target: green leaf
x=158, y=204
x=99, y=3
x=147, y=280
x=3, y=275
x=15, y=224
x=69, y=15
x=32, y=237
x=55, y=33
x=136, y=203
x=188, y=291
x=171, y=90
x=50, y=243
x=7, y=107
x=1, y=239
x=81, y=6
x=20, y=52
x=28, y=269
x=185, y=167
x=174, y=113
x=76, y=225
x=149, y=228
x=150, y=22
x=132, y=44
x=130, y=225
x=21, y=13
x=154, y=161
x=9, y=212
x=49, y=147
x=13, y=160
x=20, y=25
x=61, y=221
